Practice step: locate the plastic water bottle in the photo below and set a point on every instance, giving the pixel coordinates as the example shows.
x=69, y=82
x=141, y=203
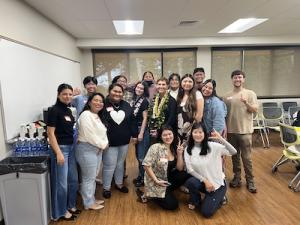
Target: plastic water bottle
x=18, y=148
x=25, y=147
x=33, y=147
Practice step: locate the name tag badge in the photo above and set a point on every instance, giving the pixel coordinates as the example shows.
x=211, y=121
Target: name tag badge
x=163, y=160
x=67, y=118
x=108, y=109
x=229, y=98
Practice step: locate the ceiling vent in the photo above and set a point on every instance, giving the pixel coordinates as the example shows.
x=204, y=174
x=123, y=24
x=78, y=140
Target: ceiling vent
x=188, y=22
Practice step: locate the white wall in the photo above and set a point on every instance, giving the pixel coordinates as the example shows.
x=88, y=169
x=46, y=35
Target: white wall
x=86, y=66
x=22, y=23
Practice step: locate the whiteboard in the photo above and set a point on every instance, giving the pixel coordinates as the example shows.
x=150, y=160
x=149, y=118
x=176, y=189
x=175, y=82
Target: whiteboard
x=29, y=79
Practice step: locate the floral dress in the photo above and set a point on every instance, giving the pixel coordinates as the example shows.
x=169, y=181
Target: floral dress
x=156, y=158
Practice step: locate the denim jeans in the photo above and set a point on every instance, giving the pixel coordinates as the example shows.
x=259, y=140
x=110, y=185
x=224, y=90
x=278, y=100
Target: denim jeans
x=212, y=200
x=89, y=158
x=113, y=165
x=64, y=182
x=141, y=149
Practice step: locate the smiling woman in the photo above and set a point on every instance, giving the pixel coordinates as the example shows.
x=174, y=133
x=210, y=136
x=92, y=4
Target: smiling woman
x=121, y=127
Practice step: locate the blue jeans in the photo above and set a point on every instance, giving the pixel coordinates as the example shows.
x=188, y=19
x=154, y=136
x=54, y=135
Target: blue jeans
x=212, y=200
x=89, y=158
x=64, y=182
x=141, y=149
x=113, y=165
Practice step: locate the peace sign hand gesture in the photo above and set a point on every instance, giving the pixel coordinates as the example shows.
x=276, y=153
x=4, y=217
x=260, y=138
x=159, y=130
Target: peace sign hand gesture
x=180, y=147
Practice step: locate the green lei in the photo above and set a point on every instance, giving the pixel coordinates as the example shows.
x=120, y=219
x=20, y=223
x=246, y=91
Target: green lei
x=156, y=116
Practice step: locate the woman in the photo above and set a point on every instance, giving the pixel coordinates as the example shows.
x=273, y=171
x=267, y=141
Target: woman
x=203, y=161
x=214, y=108
x=121, y=126
x=92, y=140
x=164, y=168
x=162, y=111
x=174, y=81
x=149, y=79
x=140, y=112
x=190, y=106
x=127, y=92
x=64, y=179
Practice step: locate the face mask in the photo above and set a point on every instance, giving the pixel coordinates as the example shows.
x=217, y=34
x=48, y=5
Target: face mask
x=149, y=82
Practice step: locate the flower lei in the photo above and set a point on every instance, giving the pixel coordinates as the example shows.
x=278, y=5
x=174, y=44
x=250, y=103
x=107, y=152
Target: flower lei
x=156, y=115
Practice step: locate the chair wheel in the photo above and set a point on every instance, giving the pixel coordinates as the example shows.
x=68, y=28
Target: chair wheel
x=290, y=186
x=274, y=169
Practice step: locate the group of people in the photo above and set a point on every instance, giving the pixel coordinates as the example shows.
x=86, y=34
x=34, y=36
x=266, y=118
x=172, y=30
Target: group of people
x=178, y=125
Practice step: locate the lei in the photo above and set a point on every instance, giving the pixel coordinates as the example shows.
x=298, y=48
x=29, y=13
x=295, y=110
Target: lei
x=157, y=117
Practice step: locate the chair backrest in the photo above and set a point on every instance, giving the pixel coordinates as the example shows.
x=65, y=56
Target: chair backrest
x=272, y=113
x=287, y=105
x=269, y=104
x=289, y=135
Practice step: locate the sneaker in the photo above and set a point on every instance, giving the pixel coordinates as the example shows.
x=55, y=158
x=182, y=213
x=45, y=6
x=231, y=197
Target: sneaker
x=122, y=189
x=225, y=200
x=138, y=182
x=184, y=189
x=141, y=196
x=235, y=182
x=251, y=187
x=106, y=194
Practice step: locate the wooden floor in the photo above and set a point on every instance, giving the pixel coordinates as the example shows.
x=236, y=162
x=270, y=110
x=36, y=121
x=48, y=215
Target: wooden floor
x=274, y=203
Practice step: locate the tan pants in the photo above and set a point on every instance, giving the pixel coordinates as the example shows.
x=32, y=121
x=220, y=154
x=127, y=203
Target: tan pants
x=243, y=145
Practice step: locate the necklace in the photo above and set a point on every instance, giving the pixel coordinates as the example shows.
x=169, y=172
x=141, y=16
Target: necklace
x=115, y=106
x=158, y=108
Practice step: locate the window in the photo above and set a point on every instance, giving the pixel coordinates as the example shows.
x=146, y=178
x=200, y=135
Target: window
x=270, y=71
x=133, y=63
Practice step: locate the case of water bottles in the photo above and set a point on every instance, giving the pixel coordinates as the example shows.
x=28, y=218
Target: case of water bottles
x=32, y=146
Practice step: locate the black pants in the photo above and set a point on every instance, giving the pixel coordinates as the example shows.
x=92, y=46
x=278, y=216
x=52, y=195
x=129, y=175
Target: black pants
x=176, y=178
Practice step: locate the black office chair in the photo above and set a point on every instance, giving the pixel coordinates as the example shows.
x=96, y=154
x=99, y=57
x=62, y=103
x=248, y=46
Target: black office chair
x=269, y=104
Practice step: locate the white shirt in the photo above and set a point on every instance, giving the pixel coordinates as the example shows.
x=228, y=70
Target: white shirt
x=208, y=166
x=92, y=130
x=174, y=94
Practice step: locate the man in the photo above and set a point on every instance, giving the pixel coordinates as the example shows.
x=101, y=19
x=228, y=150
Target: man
x=90, y=84
x=241, y=104
x=199, y=76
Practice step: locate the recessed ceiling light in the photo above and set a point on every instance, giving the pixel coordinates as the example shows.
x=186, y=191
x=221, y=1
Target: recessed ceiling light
x=242, y=25
x=129, y=27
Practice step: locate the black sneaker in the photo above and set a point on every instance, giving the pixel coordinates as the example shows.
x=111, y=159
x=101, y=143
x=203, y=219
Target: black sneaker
x=106, y=194
x=235, y=182
x=122, y=189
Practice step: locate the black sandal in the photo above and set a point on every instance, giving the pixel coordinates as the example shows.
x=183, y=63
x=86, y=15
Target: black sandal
x=75, y=212
x=71, y=218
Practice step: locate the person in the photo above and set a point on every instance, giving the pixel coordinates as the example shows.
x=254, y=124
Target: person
x=127, y=96
x=92, y=141
x=214, y=108
x=122, y=80
x=164, y=166
x=121, y=127
x=189, y=106
x=148, y=77
x=63, y=175
x=296, y=123
x=79, y=101
x=140, y=112
x=174, y=81
x=241, y=104
x=162, y=111
x=199, y=76
x=203, y=161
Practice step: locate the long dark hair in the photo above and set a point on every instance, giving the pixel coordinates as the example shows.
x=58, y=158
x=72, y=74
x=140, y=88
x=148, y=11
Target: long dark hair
x=174, y=142
x=214, y=84
x=87, y=105
x=204, y=144
x=191, y=105
x=146, y=90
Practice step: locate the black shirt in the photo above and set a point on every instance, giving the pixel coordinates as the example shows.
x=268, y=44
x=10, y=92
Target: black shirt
x=140, y=105
x=60, y=117
x=120, y=122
